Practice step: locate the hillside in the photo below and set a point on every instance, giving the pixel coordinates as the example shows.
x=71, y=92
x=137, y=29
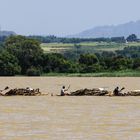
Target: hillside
x=111, y=31
x=7, y=33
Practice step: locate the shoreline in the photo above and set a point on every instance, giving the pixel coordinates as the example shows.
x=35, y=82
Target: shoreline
x=126, y=73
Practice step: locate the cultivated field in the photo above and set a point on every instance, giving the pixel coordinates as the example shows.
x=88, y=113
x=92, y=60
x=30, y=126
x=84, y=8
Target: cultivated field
x=86, y=47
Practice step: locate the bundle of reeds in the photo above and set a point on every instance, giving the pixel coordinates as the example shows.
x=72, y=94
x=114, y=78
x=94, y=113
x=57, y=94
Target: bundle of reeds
x=134, y=93
x=23, y=92
x=89, y=92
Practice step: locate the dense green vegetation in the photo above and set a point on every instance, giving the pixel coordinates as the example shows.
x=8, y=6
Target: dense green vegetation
x=2, y=38
x=54, y=39
x=21, y=55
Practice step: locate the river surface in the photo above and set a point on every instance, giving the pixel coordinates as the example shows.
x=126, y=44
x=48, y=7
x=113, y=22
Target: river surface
x=69, y=118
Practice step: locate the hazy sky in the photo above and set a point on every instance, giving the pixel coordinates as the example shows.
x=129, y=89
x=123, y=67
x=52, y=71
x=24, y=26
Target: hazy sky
x=64, y=17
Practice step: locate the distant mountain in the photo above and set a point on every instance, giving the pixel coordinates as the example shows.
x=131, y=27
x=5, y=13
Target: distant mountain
x=7, y=33
x=111, y=31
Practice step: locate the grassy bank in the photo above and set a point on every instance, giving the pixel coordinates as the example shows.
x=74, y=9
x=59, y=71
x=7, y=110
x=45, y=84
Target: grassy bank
x=127, y=73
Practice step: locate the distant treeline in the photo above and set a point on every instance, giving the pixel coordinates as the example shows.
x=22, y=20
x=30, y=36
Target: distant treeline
x=54, y=39
x=24, y=56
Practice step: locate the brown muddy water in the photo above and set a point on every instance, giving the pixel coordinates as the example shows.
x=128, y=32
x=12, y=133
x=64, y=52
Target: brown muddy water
x=69, y=118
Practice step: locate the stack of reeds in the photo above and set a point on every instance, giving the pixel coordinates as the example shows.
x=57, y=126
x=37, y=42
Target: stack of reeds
x=89, y=92
x=134, y=93
x=23, y=92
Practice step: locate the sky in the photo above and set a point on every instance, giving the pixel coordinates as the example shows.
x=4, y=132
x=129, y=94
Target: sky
x=64, y=17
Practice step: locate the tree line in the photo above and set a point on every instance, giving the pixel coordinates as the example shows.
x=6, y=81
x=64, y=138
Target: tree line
x=54, y=39
x=21, y=55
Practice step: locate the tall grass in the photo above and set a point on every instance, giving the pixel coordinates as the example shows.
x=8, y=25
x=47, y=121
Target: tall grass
x=126, y=73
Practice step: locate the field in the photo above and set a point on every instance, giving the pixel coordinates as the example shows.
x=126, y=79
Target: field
x=85, y=47
x=76, y=118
